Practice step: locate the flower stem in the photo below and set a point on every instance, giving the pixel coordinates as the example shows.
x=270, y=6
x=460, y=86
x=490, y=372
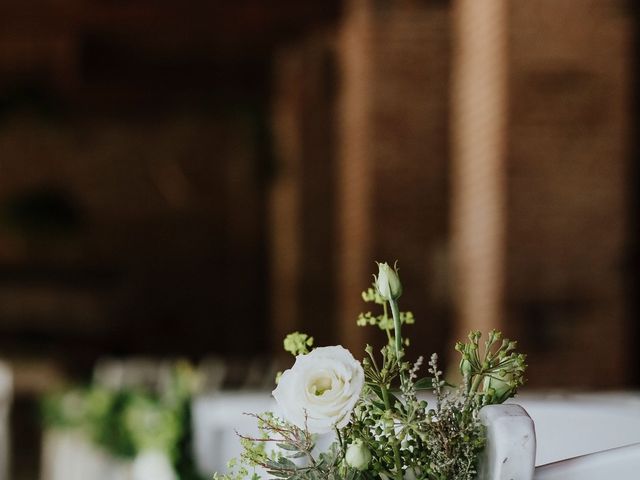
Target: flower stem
x=385, y=394
x=386, y=316
x=398, y=338
x=396, y=327
x=476, y=384
x=394, y=442
x=473, y=388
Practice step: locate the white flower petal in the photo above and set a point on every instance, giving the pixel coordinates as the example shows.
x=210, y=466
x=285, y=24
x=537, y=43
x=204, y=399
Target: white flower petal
x=321, y=388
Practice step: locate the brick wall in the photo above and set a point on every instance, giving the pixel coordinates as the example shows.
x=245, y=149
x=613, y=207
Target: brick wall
x=165, y=235
x=393, y=160
x=388, y=155
x=568, y=187
x=302, y=200
x=360, y=123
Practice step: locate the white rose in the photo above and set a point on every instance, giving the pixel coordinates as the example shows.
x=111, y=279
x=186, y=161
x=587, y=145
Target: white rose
x=152, y=465
x=320, y=389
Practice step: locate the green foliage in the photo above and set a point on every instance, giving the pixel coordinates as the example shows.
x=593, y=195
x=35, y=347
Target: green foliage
x=292, y=444
x=492, y=372
x=151, y=424
x=297, y=343
x=384, y=321
x=75, y=407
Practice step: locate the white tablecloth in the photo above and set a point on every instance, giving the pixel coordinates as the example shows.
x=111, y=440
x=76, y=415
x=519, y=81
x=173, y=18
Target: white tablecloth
x=566, y=425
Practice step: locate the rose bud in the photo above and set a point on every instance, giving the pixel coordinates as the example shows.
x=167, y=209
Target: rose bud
x=358, y=456
x=387, y=282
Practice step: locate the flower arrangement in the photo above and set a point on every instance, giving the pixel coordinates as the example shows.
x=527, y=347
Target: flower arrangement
x=381, y=423
x=150, y=429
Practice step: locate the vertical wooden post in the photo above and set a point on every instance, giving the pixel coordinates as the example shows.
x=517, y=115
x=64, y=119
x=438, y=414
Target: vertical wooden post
x=479, y=111
x=355, y=170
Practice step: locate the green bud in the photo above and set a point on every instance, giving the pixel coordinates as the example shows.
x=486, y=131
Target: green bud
x=298, y=343
x=499, y=389
x=494, y=336
x=387, y=282
x=358, y=456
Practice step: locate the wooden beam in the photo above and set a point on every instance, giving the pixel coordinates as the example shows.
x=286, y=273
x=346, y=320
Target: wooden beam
x=479, y=111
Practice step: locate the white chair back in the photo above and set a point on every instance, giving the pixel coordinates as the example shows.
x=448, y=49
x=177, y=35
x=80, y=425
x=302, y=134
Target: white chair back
x=6, y=396
x=622, y=463
x=217, y=418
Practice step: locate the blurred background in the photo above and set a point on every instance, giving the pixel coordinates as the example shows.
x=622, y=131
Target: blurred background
x=196, y=179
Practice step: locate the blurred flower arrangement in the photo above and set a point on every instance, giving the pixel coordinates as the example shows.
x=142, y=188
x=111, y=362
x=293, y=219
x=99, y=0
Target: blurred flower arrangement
x=151, y=429
x=382, y=426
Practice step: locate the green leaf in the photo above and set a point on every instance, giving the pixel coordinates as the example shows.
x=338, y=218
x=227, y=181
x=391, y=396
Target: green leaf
x=288, y=446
